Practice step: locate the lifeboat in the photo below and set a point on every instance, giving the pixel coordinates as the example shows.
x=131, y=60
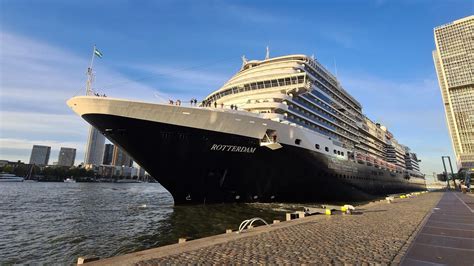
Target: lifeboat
x=369, y=160
x=376, y=163
x=360, y=158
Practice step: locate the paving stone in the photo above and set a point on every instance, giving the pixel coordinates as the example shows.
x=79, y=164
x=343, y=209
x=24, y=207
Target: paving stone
x=374, y=237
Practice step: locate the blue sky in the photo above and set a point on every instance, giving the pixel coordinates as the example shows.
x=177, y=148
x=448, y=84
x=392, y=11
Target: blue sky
x=155, y=50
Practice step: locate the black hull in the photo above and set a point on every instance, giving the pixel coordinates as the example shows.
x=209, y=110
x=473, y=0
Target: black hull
x=182, y=160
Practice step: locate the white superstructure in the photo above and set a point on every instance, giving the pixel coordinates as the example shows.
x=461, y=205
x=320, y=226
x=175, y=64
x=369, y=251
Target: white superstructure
x=298, y=90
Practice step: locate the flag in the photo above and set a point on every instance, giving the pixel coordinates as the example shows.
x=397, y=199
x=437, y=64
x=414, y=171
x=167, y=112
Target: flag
x=97, y=53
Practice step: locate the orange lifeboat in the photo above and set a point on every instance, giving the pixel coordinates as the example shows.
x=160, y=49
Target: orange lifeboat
x=369, y=160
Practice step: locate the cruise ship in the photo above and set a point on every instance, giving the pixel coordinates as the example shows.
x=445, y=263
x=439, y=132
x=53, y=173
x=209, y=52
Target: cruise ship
x=282, y=129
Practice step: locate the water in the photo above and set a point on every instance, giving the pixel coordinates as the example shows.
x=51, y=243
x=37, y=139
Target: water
x=59, y=222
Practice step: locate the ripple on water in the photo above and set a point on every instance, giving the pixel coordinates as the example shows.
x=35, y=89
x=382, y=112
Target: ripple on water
x=57, y=222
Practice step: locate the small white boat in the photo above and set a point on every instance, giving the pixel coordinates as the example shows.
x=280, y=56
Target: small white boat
x=10, y=178
x=69, y=180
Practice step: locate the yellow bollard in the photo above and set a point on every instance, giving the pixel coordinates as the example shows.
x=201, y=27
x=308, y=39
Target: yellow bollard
x=328, y=212
x=344, y=208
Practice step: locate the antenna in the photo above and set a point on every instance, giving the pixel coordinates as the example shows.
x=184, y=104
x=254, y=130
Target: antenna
x=267, y=56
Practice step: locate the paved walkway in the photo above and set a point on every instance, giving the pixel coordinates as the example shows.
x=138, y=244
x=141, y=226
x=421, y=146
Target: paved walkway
x=448, y=235
x=379, y=234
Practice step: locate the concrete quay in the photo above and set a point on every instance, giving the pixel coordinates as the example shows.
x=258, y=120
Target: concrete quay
x=377, y=233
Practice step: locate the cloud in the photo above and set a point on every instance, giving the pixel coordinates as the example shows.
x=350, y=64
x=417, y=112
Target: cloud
x=181, y=80
x=36, y=79
x=24, y=123
x=10, y=143
x=253, y=15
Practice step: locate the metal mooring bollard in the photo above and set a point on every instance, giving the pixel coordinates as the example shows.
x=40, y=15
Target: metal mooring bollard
x=276, y=221
x=228, y=231
x=181, y=240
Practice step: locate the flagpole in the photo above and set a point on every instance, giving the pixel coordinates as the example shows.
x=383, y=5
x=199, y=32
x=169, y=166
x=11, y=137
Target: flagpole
x=93, y=55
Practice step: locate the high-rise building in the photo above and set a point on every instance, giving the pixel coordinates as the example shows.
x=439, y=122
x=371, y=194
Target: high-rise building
x=95, y=147
x=121, y=158
x=67, y=156
x=108, y=154
x=40, y=155
x=454, y=63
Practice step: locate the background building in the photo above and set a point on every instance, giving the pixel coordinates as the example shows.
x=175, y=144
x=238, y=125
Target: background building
x=454, y=63
x=121, y=158
x=67, y=156
x=108, y=154
x=95, y=147
x=40, y=155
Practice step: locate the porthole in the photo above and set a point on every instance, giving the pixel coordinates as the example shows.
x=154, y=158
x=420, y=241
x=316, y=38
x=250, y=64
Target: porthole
x=342, y=153
x=297, y=141
x=326, y=149
x=335, y=152
x=316, y=146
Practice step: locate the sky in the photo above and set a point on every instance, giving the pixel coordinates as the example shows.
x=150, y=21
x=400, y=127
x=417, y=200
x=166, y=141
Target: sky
x=380, y=51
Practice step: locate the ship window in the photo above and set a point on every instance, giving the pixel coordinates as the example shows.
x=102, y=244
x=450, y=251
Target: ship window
x=297, y=141
x=317, y=146
x=326, y=149
x=342, y=153
x=338, y=153
x=335, y=152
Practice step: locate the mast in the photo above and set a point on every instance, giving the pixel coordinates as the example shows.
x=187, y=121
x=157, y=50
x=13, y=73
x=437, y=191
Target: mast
x=90, y=74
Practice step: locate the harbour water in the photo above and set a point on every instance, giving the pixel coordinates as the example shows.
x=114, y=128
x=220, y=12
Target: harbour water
x=58, y=222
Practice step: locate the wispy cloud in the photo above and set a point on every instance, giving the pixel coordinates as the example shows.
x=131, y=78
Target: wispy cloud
x=11, y=143
x=36, y=79
x=181, y=81
x=182, y=76
x=327, y=28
